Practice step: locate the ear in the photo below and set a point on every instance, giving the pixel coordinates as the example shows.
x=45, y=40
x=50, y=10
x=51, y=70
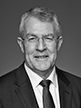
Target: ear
x=20, y=43
x=60, y=41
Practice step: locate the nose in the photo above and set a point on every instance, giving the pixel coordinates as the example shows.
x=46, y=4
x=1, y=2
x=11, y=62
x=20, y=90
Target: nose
x=41, y=45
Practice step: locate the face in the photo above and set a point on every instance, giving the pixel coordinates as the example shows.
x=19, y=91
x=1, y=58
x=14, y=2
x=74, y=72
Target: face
x=39, y=46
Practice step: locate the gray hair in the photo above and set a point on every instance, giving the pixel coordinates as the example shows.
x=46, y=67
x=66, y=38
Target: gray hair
x=44, y=14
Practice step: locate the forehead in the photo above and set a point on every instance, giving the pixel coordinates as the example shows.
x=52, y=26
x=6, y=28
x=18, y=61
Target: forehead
x=35, y=26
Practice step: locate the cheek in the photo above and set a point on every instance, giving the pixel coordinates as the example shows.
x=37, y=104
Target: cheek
x=29, y=49
x=52, y=48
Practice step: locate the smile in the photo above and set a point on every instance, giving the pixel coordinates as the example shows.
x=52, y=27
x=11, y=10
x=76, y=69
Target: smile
x=41, y=57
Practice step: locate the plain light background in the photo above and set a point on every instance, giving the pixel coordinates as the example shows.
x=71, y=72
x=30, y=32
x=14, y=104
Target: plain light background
x=69, y=15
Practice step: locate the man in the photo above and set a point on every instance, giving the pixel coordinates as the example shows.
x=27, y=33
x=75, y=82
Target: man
x=40, y=40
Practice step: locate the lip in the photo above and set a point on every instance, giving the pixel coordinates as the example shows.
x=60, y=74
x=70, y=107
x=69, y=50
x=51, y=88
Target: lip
x=42, y=57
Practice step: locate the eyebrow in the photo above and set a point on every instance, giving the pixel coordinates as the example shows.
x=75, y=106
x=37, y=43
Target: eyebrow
x=50, y=34
x=31, y=34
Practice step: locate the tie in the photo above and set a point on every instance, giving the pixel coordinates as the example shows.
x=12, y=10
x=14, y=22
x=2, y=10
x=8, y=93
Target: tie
x=47, y=98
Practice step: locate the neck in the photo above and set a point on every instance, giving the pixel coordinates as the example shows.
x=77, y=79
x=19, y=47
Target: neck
x=45, y=74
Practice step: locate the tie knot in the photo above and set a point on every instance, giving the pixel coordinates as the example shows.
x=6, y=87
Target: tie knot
x=45, y=83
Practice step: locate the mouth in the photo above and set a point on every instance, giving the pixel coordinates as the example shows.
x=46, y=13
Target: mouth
x=42, y=57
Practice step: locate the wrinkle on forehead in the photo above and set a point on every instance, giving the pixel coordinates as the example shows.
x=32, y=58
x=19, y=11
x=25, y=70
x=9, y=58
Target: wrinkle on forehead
x=35, y=26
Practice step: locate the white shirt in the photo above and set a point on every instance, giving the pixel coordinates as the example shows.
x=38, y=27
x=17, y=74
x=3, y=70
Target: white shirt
x=38, y=89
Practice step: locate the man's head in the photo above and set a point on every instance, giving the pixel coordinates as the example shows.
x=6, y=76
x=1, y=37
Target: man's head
x=40, y=38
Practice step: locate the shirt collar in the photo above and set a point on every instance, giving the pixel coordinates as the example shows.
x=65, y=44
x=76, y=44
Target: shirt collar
x=53, y=77
x=36, y=79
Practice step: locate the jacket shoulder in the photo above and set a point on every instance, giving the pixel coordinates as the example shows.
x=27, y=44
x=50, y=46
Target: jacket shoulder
x=74, y=80
x=71, y=77
x=7, y=78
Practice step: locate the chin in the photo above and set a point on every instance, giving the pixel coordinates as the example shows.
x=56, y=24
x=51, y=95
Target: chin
x=41, y=66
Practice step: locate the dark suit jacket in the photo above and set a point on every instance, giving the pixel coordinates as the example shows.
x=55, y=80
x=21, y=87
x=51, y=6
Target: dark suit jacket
x=16, y=90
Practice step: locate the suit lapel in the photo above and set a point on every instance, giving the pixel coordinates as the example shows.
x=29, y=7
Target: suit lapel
x=64, y=90
x=24, y=89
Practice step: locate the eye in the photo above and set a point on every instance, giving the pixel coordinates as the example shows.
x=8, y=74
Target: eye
x=31, y=38
x=50, y=38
